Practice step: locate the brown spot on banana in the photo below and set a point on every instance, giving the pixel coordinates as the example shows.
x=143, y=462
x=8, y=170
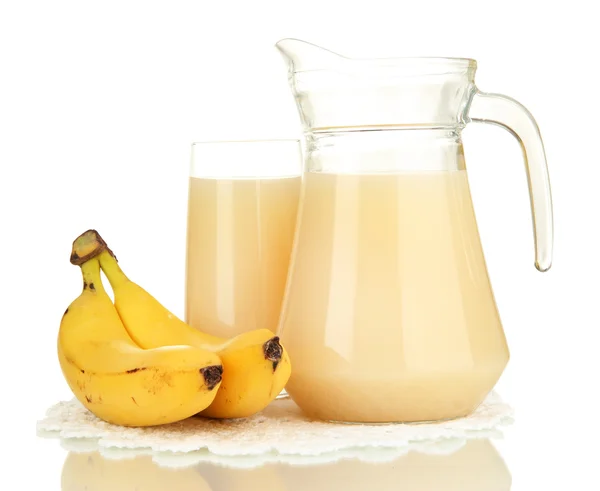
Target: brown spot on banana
x=212, y=375
x=273, y=351
x=167, y=379
x=134, y=401
x=92, y=287
x=89, y=399
x=90, y=373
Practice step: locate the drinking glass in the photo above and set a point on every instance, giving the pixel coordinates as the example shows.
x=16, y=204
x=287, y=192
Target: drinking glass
x=242, y=205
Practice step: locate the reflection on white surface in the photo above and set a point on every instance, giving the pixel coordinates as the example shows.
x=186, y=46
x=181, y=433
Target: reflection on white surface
x=476, y=466
x=92, y=472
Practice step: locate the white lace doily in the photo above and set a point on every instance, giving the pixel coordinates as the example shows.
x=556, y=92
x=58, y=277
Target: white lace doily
x=281, y=433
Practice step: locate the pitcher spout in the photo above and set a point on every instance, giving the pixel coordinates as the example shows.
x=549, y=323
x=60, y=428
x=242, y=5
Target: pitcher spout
x=302, y=56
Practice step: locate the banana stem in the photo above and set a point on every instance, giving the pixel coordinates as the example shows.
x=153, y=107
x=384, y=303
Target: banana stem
x=87, y=246
x=90, y=270
x=111, y=269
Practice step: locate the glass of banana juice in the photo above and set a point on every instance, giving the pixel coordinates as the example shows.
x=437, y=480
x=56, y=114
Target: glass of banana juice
x=242, y=205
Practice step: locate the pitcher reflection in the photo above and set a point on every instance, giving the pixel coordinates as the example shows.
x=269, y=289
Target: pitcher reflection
x=477, y=466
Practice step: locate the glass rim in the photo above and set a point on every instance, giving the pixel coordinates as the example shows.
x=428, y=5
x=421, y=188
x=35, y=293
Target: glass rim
x=399, y=60
x=264, y=140
x=237, y=159
x=422, y=65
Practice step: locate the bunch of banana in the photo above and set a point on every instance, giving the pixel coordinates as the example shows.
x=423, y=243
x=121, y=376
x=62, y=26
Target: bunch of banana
x=116, y=379
x=255, y=365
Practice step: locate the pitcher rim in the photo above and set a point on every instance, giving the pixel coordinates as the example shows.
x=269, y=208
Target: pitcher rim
x=457, y=63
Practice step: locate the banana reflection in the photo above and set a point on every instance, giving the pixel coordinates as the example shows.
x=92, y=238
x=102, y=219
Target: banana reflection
x=477, y=466
x=93, y=472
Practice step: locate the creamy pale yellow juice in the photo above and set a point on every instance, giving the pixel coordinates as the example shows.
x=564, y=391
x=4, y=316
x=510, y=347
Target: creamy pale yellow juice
x=389, y=314
x=240, y=234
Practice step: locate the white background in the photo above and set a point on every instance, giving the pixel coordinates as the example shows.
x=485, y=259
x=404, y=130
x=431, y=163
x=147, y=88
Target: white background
x=100, y=101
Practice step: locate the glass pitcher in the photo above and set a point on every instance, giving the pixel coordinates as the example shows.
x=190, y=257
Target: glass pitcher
x=388, y=314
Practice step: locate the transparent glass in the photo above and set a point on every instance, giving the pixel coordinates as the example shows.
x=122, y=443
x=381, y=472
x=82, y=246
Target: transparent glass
x=389, y=314
x=242, y=206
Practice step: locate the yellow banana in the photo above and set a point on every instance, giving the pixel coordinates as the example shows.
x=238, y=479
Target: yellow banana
x=255, y=365
x=117, y=380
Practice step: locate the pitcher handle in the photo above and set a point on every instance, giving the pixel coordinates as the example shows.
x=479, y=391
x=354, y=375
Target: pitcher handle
x=514, y=117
